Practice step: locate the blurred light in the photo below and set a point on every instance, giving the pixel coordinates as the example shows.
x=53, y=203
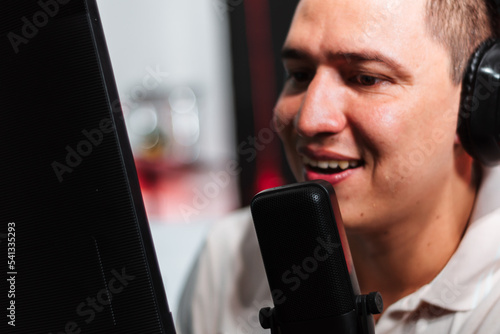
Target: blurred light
x=182, y=99
x=185, y=120
x=151, y=141
x=143, y=121
x=186, y=127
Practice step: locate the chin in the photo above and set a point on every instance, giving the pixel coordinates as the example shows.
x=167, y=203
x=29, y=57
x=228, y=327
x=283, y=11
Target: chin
x=355, y=218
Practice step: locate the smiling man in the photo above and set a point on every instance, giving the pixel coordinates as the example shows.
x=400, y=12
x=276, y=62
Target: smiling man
x=371, y=105
x=368, y=104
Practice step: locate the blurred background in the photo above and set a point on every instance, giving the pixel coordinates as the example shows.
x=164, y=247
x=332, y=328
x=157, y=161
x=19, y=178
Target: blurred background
x=197, y=81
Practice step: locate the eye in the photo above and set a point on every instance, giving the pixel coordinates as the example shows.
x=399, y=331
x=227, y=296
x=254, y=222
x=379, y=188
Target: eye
x=299, y=77
x=367, y=80
x=297, y=80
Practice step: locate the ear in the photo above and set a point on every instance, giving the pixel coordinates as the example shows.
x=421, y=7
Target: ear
x=457, y=140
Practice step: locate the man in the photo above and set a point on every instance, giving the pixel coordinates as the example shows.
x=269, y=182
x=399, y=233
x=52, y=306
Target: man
x=371, y=105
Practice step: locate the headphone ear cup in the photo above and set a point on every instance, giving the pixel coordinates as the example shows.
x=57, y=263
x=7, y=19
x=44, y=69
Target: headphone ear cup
x=478, y=115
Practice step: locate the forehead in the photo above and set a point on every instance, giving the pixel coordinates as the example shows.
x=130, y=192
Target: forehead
x=392, y=27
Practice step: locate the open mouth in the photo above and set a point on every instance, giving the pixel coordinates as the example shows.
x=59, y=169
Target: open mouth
x=331, y=166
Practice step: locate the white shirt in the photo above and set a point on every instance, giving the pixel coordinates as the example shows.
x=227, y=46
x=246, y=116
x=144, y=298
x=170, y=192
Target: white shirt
x=228, y=285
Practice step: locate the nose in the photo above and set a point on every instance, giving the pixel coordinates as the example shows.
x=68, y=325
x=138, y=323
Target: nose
x=322, y=110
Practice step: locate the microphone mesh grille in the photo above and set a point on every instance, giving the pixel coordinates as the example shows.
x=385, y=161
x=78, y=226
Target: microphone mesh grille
x=302, y=252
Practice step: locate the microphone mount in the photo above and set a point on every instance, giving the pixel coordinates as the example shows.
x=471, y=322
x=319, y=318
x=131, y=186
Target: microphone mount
x=358, y=321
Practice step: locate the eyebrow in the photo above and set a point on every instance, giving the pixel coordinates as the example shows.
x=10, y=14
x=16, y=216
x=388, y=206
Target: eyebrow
x=367, y=57
x=358, y=57
x=290, y=53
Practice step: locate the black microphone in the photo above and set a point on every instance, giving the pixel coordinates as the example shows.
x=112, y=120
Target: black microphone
x=308, y=263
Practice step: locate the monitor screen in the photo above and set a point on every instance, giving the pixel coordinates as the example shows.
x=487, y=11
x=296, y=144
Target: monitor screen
x=77, y=253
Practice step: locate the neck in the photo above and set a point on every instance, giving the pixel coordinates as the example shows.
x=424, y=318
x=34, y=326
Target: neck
x=400, y=259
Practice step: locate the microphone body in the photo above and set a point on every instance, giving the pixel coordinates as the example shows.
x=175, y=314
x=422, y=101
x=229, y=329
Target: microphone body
x=308, y=263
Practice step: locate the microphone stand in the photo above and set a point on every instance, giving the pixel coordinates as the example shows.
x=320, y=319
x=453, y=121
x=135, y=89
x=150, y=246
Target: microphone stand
x=358, y=321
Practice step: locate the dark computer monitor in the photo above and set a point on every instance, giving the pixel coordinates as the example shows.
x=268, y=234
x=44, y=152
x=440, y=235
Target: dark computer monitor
x=76, y=251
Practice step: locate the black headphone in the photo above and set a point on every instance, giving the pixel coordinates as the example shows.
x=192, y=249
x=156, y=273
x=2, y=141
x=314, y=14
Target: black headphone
x=479, y=117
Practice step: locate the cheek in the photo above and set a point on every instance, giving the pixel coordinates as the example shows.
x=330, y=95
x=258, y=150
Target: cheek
x=421, y=149
x=378, y=129
x=284, y=114
x=285, y=110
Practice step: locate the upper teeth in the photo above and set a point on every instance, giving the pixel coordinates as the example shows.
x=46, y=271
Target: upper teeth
x=343, y=164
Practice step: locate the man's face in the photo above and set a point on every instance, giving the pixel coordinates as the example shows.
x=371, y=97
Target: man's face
x=369, y=91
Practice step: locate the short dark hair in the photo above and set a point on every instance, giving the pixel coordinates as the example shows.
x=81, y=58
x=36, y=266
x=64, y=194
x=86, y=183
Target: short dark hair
x=461, y=26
